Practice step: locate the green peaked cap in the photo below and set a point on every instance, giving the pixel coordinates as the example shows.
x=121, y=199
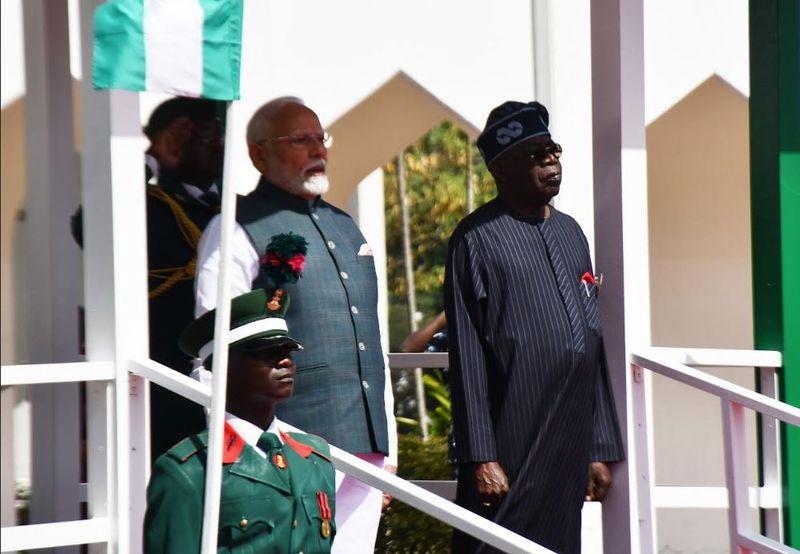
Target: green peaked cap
x=258, y=321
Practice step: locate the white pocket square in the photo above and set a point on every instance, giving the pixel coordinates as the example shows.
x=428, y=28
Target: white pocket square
x=365, y=250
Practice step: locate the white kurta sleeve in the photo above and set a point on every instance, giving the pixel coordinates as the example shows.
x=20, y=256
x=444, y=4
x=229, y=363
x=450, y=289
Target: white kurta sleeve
x=388, y=401
x=244, y=269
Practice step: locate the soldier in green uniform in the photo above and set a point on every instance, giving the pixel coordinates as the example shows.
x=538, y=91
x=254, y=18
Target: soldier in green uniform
x=277, y=487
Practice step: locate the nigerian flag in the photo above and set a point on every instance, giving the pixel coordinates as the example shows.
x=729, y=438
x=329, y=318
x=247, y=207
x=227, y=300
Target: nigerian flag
x=181, y=47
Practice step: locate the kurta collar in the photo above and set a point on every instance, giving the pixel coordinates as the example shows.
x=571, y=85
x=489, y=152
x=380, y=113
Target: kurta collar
x=527, y=219
x=276, y=194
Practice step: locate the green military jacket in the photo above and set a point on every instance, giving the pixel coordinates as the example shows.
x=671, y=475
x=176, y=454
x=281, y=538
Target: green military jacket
x=279, y=505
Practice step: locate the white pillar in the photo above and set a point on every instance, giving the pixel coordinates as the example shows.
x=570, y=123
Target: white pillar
x=620, y=203
x=370, y=216
x=52, y=272
x=115, y=285
x=540, y=13
x=570, y=103
x=7, y=485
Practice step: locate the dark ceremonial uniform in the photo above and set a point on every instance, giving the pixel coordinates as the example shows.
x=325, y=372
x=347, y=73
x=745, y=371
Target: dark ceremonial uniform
x=339, y=392
x=175, y=221
x=528, y=371
x=280, y=504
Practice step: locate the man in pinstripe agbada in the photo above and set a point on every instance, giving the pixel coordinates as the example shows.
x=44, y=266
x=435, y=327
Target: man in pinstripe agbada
x=533, y=413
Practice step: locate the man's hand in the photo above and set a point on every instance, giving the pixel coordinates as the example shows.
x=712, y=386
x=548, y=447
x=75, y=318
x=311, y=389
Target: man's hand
x=492, y=482
x=387, y=498
x=599, y=481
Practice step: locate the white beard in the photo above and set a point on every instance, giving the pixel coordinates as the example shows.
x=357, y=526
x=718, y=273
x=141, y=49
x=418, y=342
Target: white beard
x=316, y=184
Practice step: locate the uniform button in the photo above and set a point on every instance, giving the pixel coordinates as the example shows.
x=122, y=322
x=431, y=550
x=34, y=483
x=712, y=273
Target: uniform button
x=362, y=346
x=315, y=216
x=354, y=310
x=365, y=385
x=294, y=523
x=331, y=244
x=243, y=523
x=344, y=274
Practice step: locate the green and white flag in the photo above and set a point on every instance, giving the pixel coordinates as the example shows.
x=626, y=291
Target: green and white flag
x=180, y=47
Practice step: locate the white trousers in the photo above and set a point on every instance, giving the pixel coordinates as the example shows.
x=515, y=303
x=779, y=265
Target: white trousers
x=358, y=511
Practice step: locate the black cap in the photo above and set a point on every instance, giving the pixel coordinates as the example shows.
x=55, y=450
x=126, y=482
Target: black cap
x=198, y=110
x=510, y=123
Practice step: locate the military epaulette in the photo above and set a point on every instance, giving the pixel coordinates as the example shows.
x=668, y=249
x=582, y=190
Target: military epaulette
x=188, y=447
x=317, y=445
x=233, y=444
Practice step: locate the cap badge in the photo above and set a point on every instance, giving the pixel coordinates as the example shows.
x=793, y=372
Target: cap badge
x=275, y=303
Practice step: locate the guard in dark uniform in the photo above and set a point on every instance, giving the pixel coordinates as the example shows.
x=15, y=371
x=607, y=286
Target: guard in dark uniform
x=183, y=165
x=277, y=487
x=179, y=207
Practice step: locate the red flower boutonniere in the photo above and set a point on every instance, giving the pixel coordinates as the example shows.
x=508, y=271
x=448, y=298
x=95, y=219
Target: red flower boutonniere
x=588, y=279
x=284, y=259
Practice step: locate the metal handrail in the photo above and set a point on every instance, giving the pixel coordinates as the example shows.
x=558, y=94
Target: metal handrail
x=717, y=386
x=673, y=363
x=405, y=491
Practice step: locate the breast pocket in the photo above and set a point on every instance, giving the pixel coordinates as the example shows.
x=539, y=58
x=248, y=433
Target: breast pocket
x=323, y=529
x=248, y=525
x=588, y=295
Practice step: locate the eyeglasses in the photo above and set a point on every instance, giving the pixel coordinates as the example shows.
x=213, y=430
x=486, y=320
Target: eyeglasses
x=541, y=153
x=307, y=140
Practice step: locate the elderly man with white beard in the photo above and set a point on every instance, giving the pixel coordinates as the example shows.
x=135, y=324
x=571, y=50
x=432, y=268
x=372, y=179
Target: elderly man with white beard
x=342, y=388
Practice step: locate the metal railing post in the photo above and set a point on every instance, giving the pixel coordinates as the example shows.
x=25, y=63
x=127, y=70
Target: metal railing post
x=643, y=456
x=771, y=454
x=735, y=444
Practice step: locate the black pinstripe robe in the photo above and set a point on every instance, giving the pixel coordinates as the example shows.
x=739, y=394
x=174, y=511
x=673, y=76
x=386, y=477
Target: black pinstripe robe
x=530, y=387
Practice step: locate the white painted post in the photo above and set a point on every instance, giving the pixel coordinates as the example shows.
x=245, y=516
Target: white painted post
x=541, y=51
x=643, y=453
x=620, y=215
x=216, y=420
x=52, y=273
x=735, y=445
x=372, y=223
x=8, y=516
x=139, y=457
x=771, y=454
x=115, y=262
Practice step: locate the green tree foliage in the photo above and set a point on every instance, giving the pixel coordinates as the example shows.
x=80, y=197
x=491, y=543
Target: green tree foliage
x=406, y=529
x=436, y=181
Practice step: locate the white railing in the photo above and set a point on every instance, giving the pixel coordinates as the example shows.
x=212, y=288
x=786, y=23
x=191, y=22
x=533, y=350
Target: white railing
x=99, y=530
x=95, y=530
x=405, y=491
x=675, y=363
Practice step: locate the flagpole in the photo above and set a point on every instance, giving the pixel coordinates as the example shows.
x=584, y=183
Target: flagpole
x=216, y=420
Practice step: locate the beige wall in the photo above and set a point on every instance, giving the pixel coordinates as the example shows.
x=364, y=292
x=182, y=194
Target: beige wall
x=699, y=209
x=374, y=131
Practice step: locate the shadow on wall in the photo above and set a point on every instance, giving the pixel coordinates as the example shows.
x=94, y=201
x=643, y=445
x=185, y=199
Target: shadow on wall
x=12, y=204
x=13, y=245
x=699, y=214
